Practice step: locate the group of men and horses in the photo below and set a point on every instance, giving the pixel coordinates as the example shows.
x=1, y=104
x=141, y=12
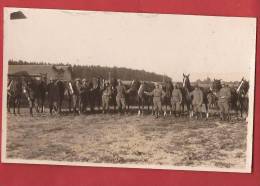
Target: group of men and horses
x=81, y=94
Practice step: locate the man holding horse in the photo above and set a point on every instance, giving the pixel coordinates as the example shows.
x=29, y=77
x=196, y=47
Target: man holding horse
x=106, y=95
x=176, y=100
x=157, y=94
x=224, y=97
x=120, y=97
x=197, y=101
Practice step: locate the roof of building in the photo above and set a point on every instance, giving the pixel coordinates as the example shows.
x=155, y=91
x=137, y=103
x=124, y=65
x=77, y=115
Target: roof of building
x=59, y=72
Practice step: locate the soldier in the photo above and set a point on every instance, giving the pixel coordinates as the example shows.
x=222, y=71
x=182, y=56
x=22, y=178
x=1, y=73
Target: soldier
x=76, y=96
x=52, y=90
x=83, y=95
x=157, y=94
x=197, y=101
x=106, y=95
x=120, y=97
x=176, y=100
x=224, y=97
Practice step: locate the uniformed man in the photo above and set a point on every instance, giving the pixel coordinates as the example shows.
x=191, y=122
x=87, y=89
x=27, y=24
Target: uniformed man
x=76, y=96
x=120, y=97
x=176, y=100
x=157, y=94
x=106, y=95
x=83, y=95
x=197, y=101
x=52, y=90
x=224, y=97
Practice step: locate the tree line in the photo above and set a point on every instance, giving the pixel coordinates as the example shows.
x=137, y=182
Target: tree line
x=90, y=71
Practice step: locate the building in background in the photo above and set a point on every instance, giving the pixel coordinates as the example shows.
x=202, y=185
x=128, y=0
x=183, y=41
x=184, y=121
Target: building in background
x=61, y=72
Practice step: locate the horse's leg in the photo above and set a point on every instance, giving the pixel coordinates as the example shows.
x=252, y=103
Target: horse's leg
x=139, y=106
x=153, y=111
x=59, y=104
x=8, y=104
x=165, y=110
x=31, y=103
x=207, y=110
x=80, y=104
x=143, y=103
x=182, y=107
x=70, y=103
x=190, y=110
x=18, y=105
x=14, y=105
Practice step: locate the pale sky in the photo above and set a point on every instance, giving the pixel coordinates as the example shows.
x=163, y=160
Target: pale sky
x=218, y=47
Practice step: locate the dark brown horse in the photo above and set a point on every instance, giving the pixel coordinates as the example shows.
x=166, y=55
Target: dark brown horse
x=135, y=96
x=243, y=99
x=31, y=92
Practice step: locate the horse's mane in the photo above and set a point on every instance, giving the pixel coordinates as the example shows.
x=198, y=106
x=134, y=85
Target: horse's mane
x=244, y=87
x=135, y=84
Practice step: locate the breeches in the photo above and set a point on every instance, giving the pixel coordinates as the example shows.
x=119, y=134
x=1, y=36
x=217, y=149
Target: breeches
x=223, y=107
x=105, y=102
x=75, y=100
x=157, y=103
x=176, y=106
x=120, y=102
x=197, y=108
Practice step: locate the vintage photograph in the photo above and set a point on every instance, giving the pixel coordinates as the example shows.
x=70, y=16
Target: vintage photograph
x=135, y=90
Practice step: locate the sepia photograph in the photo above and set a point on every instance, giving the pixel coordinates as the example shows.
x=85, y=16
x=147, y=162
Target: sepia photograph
x=132, y=90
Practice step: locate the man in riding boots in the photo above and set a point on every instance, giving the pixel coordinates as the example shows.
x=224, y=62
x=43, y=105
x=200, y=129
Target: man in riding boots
x=106, y=95
x=224, y=97
x=76, y=96
x=176, y=100
x=83, y=95
x=157, y=94
x=52, y=90
x=120, y=97
x=197, y=101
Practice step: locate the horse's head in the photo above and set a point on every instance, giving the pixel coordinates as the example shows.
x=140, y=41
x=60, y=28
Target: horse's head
x=186, y=81
x=243, y=87
x=135, y=84
x=216, y=85
x=167, y=87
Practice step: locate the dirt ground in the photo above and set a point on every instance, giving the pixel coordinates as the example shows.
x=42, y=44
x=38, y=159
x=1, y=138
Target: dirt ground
x=113, y=138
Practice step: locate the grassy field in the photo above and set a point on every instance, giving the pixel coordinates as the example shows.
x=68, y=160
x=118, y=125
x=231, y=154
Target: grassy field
x=111, y=138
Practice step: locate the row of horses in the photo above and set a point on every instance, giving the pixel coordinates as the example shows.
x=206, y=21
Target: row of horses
x=79, y=96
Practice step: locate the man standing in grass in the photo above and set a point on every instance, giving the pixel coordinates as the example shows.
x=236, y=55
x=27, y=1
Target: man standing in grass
x=120, y=97
x=176, y=100
x=224, y=97
x=157, y=94
x=197, y=101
